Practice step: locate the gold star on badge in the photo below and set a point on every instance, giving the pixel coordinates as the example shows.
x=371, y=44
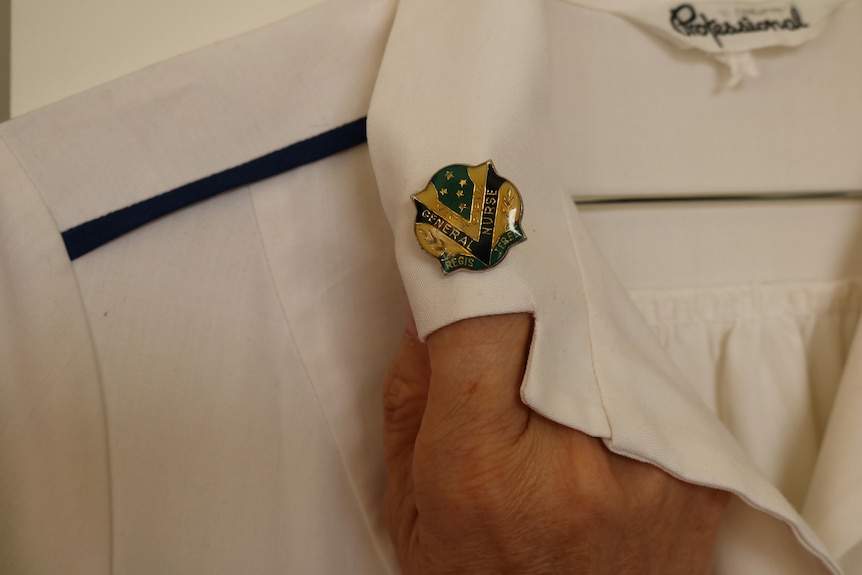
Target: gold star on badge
x=460, y=193
x=444, y=191
x=449, y=175
x=463, y=182
x=462, y=207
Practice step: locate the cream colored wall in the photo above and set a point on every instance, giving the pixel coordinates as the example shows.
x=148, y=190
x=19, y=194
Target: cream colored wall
x=5, y=24
x=59, y=48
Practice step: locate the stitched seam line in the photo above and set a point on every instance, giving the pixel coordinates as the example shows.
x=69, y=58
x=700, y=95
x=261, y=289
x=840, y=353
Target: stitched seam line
x=310, y=382
x=98, y=365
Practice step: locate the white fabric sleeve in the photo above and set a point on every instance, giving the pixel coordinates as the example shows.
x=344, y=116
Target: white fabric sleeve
x=468, y=81
x=462, y=83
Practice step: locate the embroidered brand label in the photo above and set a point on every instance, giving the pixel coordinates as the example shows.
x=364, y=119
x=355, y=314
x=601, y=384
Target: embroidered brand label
x=730, y=31
x=725, y=26
x=686, y=20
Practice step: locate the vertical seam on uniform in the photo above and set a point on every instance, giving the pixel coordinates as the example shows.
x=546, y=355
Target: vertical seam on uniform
x=356, y=499
x=98, y=366
x=588, y=306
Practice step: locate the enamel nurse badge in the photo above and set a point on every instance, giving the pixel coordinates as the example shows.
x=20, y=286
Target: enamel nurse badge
x=468, y=217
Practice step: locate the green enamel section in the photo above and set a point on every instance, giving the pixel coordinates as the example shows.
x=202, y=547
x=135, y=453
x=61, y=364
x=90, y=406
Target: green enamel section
x=451, y=192
x=450, y=263
x=507, y=240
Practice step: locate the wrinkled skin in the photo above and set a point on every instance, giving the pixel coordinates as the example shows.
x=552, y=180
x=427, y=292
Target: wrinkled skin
x=478, y=483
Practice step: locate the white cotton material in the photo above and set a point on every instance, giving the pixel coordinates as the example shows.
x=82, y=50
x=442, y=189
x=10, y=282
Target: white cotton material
x=718, y=26
x=727, y=30
x=594, y=364
x=54, y=478
x=202, y=395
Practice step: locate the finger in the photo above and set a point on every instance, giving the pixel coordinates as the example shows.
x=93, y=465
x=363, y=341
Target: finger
x=404, y=396
x=477, y=367
x=405, y=390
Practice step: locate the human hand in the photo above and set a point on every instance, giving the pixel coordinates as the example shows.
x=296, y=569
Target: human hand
x=478, y=483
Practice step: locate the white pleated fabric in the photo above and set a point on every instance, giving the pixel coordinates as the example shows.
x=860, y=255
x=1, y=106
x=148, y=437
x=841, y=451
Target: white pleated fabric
x=765, y=326
x=594, y=365
x=202, y=395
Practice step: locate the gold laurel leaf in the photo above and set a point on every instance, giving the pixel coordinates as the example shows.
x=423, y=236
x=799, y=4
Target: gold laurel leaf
x=509, y=199
x=438, y=239
x=433, y=239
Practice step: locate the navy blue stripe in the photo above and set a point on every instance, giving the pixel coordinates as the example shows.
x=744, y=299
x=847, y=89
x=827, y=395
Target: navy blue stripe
x=88, y=236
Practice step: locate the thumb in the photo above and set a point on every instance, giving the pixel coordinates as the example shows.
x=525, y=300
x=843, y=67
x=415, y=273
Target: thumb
x=477, y=367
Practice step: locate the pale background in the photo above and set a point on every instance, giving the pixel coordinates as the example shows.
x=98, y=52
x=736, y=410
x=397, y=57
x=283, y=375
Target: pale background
x=4, y=59
x=52, y=49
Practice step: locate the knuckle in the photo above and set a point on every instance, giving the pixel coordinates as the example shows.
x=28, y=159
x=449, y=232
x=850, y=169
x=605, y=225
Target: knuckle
x=601, y=510
x=652, y=487
x=715, y=503
x=599, y=501
x=465, y=480
x=403, y=401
